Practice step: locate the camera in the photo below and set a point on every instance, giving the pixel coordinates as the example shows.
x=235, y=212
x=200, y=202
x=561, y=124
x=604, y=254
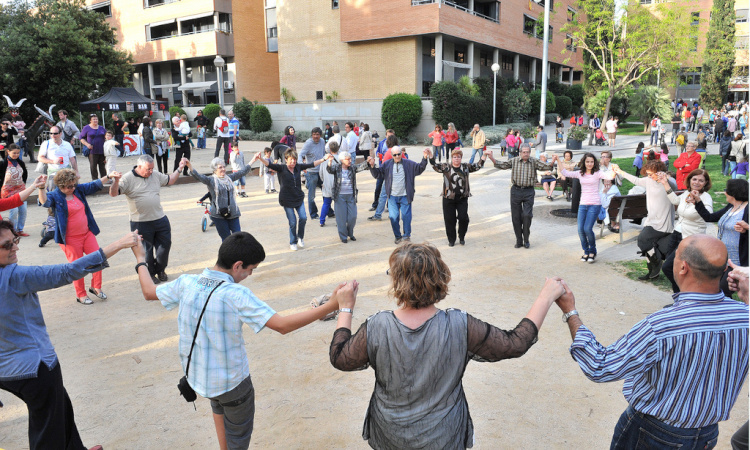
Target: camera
x=186, y=391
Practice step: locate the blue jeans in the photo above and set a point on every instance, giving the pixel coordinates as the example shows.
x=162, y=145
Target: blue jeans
x=587, y=215
x=381, y=203
x=733, y=169
x=201, y=142
x=324, y=209
x=400, y=206
x=17, y=216
x=295, y=232
x=474, y=152
x=635, y=430
x=654, y=137
x=225, y=227
x=312, y=185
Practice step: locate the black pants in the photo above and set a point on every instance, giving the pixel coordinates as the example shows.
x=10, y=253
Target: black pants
x=48, y=236
x=162, y=162
x=378, y=187
x=183, y=150
x=120, y=138
x=659, y=241
x=668, y=266
x=456, y=209
x=567, y=184
x=157, y=238
x=521, y=211
x=225, y=142
x=97, y=161
x=51, y=421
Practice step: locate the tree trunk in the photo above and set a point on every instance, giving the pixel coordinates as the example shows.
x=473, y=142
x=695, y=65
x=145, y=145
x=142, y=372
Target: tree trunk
x=606, y=107
x=645, y=126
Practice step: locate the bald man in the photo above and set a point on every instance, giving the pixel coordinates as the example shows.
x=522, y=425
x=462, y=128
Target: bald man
x=683, y=366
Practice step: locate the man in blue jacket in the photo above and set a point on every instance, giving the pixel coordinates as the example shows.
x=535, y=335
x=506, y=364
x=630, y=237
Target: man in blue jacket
x=398, y=181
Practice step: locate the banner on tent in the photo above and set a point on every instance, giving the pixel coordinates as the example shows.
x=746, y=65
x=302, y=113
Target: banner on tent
x=132, y=145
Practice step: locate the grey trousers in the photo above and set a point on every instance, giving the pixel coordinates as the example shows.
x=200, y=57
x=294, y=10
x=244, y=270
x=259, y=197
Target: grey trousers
x=238, y=408
x=346, y=215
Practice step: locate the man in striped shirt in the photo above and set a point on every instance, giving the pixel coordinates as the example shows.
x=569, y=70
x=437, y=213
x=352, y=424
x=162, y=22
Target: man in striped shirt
x=683, y=366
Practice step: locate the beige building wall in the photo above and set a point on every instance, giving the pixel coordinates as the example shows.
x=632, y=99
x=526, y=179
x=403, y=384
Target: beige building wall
x=257, y=70
x=313, y=58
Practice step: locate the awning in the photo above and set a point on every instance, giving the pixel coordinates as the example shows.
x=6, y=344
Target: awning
x=163, y=22
x=197, y=16
x=456, y=64
x=197, y=86
x=159, y=86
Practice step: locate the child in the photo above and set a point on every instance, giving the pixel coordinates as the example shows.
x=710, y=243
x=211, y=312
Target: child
x=740, y=171
x=638, y=161
x=201, y=137
x=237, y=160
x=184, y=129
x=49, y=224
x=267, y=173
x=110, y=151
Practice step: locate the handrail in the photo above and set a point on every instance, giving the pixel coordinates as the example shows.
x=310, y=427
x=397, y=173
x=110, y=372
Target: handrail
x=455, y=5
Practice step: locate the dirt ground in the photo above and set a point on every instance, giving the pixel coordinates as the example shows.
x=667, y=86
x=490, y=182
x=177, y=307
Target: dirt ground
x=120, y=361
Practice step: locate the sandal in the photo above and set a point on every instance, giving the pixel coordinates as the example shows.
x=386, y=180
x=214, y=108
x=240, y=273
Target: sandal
x=592, y=258
x=99, y=294
x=85, y=301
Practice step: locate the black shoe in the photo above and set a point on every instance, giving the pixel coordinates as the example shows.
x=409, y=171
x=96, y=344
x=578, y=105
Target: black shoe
x=344, y=241
x=155, y=280
x=526, y=244
x=374, y=208
x=397, y=241
x=212, y=224
x=162, y=276
x=655, y=269
x=451, y=244
x=331, y=216
x=646, y=276
x=352, y=238
x=462, y=242
x=314, y=216
x=518, y=245
x=374, y=218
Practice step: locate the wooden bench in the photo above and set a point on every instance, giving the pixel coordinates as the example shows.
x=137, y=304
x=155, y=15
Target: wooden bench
x=626, y=207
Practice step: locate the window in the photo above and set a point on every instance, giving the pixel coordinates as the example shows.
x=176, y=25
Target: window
x=318, y=95
x=646, y=2
x=334, y=4
x=529, y=25
x=460, y=57
x=485, y=59
x=741, y=42
x=526, y=66
x=197, y=25
x=571, y=14
x=507, y=63
x=272, y=32
x=693, y=43
x=489, y=10
x=741, y=16
x=152, y=3
x=158, y=31
x=225, y=22
x=550, y=34
x=695, y=18
x=577, y=75
x=103, y=7
x=569, y=43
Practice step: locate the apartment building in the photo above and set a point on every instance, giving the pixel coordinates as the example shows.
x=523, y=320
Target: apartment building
x=175, y=44
x=367, y=49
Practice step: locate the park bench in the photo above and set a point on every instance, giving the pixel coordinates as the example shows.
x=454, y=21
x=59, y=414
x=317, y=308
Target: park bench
x=626, y=207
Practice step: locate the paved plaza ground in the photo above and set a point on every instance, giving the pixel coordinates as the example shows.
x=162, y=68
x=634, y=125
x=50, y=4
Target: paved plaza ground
x=120, y=362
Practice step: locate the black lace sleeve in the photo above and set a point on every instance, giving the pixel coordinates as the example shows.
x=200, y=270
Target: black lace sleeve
x=349, y=352
x=488, y=343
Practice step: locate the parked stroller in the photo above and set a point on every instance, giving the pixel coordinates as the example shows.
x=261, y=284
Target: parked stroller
x=559, y=135
x=600, y=140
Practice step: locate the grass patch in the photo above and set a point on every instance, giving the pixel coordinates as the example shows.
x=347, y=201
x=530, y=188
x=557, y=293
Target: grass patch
x=631, y=129
x=634, y=268
x=713, y=166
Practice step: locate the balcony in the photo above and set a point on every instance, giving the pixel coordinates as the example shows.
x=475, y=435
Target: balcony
x=186, y=46
x=492, y=9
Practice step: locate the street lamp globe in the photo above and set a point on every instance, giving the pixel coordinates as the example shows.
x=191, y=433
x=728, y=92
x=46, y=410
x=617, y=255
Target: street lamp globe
x=495, y=67
x=219, y=63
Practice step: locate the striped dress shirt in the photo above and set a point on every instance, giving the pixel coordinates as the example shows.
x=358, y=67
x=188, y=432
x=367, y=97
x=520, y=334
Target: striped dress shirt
x=684, y=365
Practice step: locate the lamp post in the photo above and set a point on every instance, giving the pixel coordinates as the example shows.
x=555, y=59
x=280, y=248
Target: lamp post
x=545, y=63
x=219, y=63
x=495, y=68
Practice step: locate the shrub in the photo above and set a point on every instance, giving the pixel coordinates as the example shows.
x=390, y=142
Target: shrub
x=557, y=88
x=242, y=111
x=517, y=106
x=176, y=110
x=535, y=99
x=564, y=106
x=575, y=93
x=211, y=111
x=452, y=104
x=260, y=119
x=402, y=112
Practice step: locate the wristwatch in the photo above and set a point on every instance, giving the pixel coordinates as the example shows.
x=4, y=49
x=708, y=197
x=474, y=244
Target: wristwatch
x=568, y=315
x=346, y=310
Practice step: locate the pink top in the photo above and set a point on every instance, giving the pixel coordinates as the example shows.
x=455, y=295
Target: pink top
x=437, y=138
x=78, y=225
x=589, y=185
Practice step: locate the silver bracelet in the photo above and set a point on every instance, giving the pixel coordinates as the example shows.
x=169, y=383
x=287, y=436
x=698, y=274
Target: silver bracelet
x=346, y=310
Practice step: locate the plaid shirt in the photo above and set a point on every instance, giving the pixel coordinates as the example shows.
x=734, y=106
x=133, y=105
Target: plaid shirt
x=219, y=361
x=523, y=173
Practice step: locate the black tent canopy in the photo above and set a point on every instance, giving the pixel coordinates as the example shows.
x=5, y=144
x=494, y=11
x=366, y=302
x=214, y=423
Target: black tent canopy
x=124, y=100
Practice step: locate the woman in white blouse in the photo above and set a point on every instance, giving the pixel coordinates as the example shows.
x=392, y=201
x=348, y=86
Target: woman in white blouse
x=689, y=222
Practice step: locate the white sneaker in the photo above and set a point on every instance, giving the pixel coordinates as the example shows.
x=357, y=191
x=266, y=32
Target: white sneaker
x=293, y=247
x=300, y=243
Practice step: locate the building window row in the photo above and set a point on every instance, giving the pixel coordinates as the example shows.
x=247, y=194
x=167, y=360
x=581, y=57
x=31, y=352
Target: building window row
x=272, y=30
x=102, y=7
x=741, y=15
x=486, y=10
x=202, y=23
x=152, y=3
x=530, y=27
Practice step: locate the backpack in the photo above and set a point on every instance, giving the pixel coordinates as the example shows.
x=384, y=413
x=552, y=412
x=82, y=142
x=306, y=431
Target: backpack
x=653, y=123
x=224, y=125
x=680, y=139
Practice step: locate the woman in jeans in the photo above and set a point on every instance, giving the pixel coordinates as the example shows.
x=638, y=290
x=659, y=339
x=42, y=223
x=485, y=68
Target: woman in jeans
x=76, y=228
x=225, y=214
x=420, y=353
x=437, y=142
x=590, y=204
x=291, y=197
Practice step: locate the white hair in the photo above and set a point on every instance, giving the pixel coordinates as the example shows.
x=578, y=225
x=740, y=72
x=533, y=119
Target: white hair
x=344, y=155
x=215, y=163
x=144, y=160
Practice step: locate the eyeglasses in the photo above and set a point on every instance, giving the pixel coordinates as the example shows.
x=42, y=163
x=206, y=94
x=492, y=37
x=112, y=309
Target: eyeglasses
x=9, y=245
x=396, y=154
x=69, y=186
x=53, y=133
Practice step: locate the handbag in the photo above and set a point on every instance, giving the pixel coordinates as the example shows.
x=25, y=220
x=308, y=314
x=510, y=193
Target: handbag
x=185, y=390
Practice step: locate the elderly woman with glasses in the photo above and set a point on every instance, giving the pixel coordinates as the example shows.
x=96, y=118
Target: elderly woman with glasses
x=345, y=193
x=224, y=211
x=419, y=353
x=76, y=228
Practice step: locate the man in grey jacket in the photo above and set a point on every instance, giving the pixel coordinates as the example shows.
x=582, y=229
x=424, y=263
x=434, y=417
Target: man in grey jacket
x=540, y=143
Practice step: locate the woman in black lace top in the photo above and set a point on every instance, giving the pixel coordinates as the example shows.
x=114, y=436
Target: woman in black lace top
x=419, y=353
x=456, y=193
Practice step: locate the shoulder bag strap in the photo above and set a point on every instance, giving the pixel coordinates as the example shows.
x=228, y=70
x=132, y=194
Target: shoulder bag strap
x=187, y=369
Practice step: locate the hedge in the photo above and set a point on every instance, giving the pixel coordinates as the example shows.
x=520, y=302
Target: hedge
x=564, y=106
x=401, y=112
x=260, y=119
x=211, y=112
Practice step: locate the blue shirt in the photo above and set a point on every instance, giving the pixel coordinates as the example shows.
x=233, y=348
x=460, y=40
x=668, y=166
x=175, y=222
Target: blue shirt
x=219, y=361
x=56, y=200
x=24, y=341
x=234, y=127
x=312, y=152
x=684, y=365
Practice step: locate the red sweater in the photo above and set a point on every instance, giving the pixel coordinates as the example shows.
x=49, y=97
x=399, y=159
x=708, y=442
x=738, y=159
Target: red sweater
x=686, y=163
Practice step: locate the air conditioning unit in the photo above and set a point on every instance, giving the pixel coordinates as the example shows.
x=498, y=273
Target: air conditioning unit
x=229, y=85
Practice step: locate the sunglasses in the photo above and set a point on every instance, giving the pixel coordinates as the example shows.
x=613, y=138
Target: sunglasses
x=9, y=245
x=69, y=186
x=53, y=133
x=396, y=154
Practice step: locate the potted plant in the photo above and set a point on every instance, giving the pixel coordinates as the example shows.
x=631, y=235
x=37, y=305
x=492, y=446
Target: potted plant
x=576, y=136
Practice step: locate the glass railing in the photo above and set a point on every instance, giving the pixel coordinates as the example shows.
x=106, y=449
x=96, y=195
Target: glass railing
x=457, y=6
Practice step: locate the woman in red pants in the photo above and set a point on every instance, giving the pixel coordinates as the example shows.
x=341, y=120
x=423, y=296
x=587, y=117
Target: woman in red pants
x=76, y=229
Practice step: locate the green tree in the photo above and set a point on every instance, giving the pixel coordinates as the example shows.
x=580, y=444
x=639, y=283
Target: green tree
x=452, y=103
x=535, y=99
x=58, y=51
x=260, y=119
x=176, y=110
x=564, y=106
x=625, y=43
x=599, y=103
x=242, y=110
x=517, y=105
x=211, y=111
x=401, y=112
x=576, y=96
x=649, y=101
x=718, y=57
